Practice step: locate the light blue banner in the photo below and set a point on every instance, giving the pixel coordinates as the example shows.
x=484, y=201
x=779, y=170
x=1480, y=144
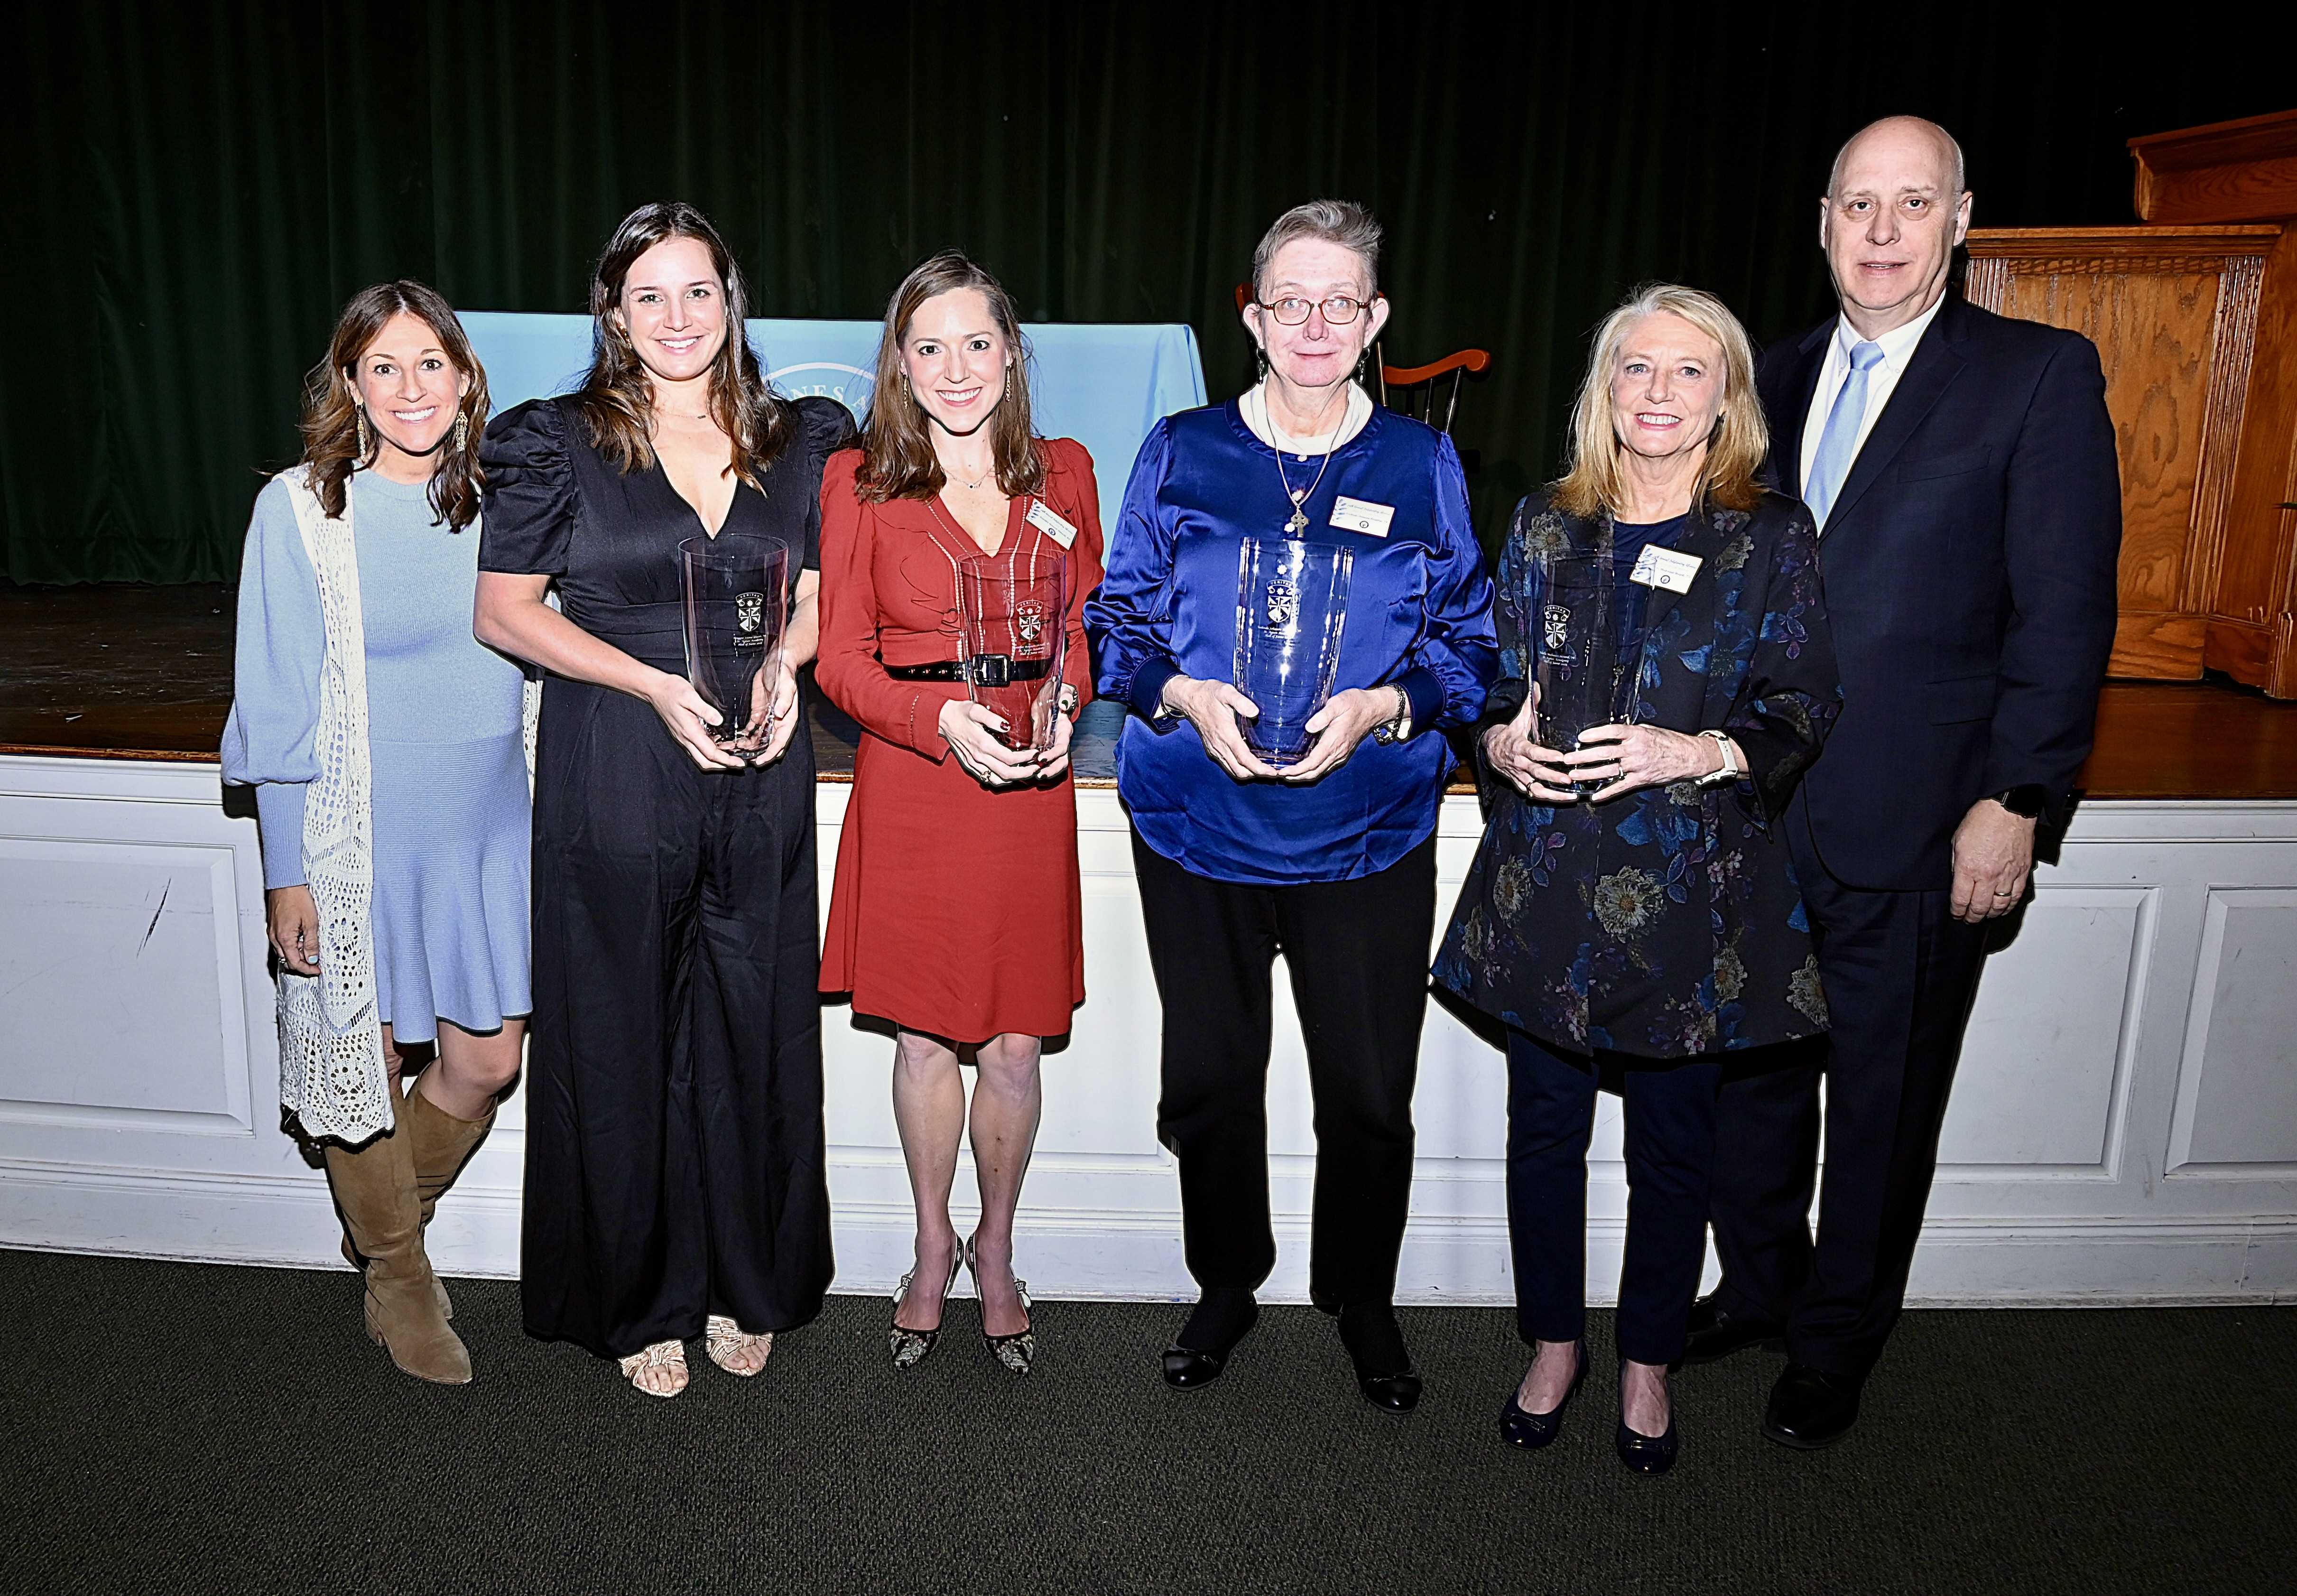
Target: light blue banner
x=1103, y=386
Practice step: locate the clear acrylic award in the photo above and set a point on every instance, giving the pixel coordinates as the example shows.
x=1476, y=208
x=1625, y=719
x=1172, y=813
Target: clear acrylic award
x=1013, y=627
x=1291, y=606
x=735, y=590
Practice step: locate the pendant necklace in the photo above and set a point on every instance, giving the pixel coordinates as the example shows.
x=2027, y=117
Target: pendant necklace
x=1299, y=496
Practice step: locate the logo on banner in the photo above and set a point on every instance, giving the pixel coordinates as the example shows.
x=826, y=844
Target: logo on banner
x=849, y=385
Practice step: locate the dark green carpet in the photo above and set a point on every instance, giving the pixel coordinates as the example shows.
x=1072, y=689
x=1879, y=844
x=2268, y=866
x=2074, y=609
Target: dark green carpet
x=174, y=1428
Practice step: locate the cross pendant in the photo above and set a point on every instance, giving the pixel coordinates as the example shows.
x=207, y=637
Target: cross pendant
x=1297, y=524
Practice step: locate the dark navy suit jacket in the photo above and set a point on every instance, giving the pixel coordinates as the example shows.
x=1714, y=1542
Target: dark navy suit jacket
x=1969, y=564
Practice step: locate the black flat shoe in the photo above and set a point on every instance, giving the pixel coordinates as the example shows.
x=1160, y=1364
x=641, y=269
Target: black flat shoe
x=1532, y=1431
x=1810, y=1409
x=1648, y=1454
x=1385, y=1377
x=1717, y=1332
x=1223, y=1317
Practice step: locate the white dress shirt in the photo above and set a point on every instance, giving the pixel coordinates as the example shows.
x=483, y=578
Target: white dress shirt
x=1898, y=350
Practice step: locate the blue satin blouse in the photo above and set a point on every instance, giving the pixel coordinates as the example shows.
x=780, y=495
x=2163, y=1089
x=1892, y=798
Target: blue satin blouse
x=1419, y=614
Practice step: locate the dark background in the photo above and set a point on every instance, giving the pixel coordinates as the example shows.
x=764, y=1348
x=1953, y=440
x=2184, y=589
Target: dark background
x=193, y=189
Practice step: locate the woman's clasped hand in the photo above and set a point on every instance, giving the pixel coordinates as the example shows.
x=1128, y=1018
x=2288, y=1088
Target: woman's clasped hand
x=975, y=734
x=1218, y=709
x=1626, y=759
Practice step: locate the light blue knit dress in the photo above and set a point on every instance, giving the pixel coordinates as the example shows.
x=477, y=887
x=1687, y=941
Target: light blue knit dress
x=451, y=816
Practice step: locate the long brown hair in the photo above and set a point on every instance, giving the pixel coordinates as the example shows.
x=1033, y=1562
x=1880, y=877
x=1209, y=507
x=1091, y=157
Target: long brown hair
x=330, y=425
x=1735, y=449
x=898, y=460
x=616, y=399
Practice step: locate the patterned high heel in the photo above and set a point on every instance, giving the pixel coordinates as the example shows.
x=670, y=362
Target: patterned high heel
x=1019, y=1351
x=909, y=1347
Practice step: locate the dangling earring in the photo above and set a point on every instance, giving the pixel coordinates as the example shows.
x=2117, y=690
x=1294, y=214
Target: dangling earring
x=365, y=442
x=1362, y=360
x=1260, y=363
x=462, y=431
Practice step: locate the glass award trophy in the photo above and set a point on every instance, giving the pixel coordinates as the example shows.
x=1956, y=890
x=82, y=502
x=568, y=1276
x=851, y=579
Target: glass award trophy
x=737, y=607
x=1574, y=653
x=1292, y=605
x=1013, y=633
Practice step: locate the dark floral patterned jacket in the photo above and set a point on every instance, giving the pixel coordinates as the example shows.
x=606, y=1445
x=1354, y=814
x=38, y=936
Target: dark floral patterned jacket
x=1666, y=923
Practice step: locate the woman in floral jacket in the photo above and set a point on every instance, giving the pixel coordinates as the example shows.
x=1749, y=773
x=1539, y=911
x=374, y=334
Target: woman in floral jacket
x=1654, y=927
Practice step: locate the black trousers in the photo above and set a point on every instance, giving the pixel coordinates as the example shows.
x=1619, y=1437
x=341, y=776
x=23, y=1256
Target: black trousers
x=1357, y=955
x=1899, y=972
x=1670, y=1151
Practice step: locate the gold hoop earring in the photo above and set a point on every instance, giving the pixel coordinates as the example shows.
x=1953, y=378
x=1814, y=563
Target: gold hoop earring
x=462, y=432
x=366, y=439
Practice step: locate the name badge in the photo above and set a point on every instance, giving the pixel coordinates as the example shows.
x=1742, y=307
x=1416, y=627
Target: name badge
x=1044, y=519
x=1363, y=516
x=1665, y=568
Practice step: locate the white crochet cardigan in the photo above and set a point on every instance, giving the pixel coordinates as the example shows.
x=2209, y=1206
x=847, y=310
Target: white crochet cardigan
x=332, y=1078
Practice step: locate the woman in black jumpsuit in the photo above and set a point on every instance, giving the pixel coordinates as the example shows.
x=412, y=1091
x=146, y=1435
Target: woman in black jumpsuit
x=674, y=1148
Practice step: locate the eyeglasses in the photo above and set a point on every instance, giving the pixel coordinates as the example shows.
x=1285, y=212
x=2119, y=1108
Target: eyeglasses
x=1340, y=309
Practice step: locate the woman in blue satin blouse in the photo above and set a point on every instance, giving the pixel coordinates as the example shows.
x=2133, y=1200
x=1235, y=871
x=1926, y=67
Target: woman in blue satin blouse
x=1333, y=859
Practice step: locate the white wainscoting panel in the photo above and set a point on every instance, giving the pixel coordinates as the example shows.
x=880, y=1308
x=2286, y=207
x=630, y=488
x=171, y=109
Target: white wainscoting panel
x=2237, y=1085
x=2124, y=1127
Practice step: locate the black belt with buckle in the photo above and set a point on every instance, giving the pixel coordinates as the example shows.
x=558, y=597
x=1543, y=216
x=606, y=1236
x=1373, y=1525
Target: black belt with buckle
x=988, y=671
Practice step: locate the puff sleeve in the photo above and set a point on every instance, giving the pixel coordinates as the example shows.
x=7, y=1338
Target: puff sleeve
x=531, y=503
x=825, y=427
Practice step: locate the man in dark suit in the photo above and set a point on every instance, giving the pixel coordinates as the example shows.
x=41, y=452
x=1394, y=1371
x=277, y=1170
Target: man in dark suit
x=1961, y=466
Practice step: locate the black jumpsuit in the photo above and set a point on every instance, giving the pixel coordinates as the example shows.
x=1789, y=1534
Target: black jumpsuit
x=674, y=1147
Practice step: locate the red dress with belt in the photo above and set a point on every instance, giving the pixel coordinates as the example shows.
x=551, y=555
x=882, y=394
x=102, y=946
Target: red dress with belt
x=956, y=910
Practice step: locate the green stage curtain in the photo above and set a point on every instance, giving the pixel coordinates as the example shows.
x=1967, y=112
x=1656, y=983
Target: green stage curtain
x=193, y=188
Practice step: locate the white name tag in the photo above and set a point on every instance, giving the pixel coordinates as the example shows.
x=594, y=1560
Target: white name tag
x=1664, y=568
x=1363, y=516
x=1044, y=519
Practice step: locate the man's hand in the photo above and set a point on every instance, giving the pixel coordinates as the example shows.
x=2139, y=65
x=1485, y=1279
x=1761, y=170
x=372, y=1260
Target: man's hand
x=1212, y=708
x=1993, y=859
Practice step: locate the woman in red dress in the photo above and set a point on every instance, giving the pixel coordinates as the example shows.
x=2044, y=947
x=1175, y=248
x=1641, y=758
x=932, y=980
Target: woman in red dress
x=955, y=913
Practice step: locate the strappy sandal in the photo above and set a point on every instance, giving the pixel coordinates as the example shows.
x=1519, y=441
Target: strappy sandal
x=726, y=1341
x=662, y=1354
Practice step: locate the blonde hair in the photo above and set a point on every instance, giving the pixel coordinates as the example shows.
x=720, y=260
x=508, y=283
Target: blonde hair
x=1727, y=476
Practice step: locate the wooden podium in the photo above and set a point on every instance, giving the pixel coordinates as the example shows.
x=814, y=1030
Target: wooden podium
x=2195, y=316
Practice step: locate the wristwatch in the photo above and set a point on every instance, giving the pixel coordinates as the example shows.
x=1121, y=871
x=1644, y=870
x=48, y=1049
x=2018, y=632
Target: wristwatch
x=2026, y=800
x=1731, y=770
x=1400, y=729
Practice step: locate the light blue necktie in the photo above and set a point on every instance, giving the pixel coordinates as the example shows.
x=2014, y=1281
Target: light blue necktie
x=1838, y=445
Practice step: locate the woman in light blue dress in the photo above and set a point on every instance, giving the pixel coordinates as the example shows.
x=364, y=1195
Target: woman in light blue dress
x=392, y=792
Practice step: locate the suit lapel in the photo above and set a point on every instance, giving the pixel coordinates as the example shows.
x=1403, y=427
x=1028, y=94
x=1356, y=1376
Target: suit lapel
x=1929, y=374
x=1791, y=414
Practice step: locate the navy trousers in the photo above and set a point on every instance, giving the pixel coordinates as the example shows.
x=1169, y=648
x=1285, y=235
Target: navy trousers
x=1900, y=971
x=1670, y=1155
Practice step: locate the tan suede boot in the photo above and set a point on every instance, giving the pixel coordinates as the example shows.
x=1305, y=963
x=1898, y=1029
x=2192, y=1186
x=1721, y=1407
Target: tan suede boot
x=374, y=1186
x=443, y=1145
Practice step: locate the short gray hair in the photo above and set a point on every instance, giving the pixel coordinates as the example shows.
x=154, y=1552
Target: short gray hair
x=1961, y=172
x=1343, y=222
